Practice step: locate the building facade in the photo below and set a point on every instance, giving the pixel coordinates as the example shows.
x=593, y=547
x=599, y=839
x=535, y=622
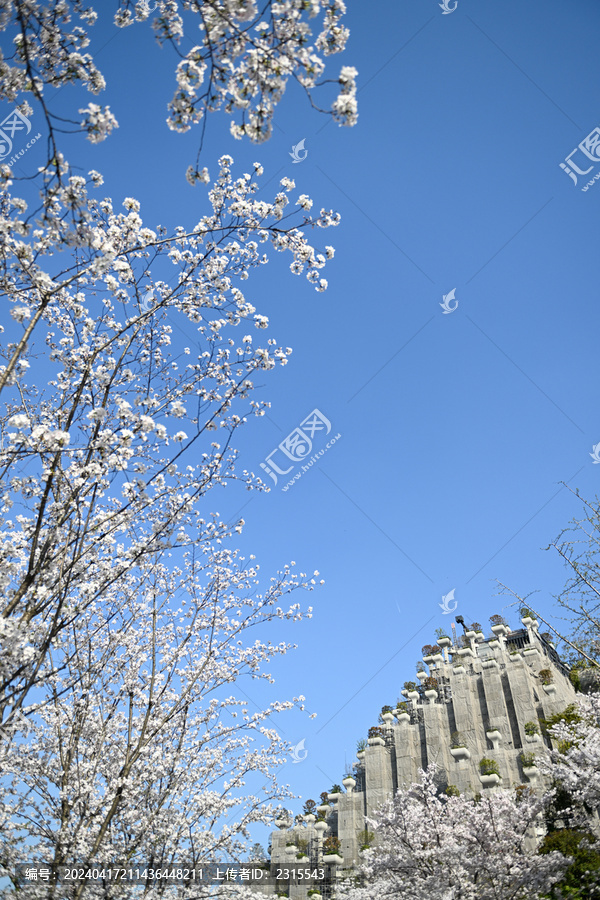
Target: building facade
x=481, y=699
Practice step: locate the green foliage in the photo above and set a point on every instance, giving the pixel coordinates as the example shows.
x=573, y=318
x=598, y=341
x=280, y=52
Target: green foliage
x=457, y=740
x=569, y=715
x=527, y=759
x=402, y=706
x=497, y=620
x=331, y=844
x=452, y=791
x=488, y=766
x=302, y=845
x=531, y=728
x=365, y=839
x=430, y=683
x=386, y=709
x=309, y=808
x=410, y=685
x=441, y=633
x=336, y=789
x=361, y=745
x=526, y=613
x=582, y=874
x=574, y=678
x=375, y=731
x=546, y=676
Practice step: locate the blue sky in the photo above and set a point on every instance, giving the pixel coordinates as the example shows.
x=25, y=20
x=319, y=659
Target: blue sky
x=456, y=429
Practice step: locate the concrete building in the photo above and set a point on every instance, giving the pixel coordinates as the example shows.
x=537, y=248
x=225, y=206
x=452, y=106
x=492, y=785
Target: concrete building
x=481, y=699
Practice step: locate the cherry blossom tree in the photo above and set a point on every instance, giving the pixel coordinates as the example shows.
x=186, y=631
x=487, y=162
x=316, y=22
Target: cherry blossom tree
x=127, y=617
x=574, y=763
x=439, y=847
x=242, y=57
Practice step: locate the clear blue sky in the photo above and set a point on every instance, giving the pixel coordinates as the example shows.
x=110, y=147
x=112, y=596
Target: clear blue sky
x=456, y=429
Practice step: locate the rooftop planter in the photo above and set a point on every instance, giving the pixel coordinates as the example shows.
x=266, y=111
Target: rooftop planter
x=549, y=688
x=331, y=850
x=388, y=718
x=335, y=793
x=489, y=773
x=460, y=752
x=321, y=826
x=349, y=783
x=375, y=737
x=494, y=736
x=283, y=820
x=458, y=668
x=489, y=664
x=310, y=819
x=489, y=767
x=528, y=763
x=458, y=746
x=546, y=676
x=500, y=629
x=489, y=780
